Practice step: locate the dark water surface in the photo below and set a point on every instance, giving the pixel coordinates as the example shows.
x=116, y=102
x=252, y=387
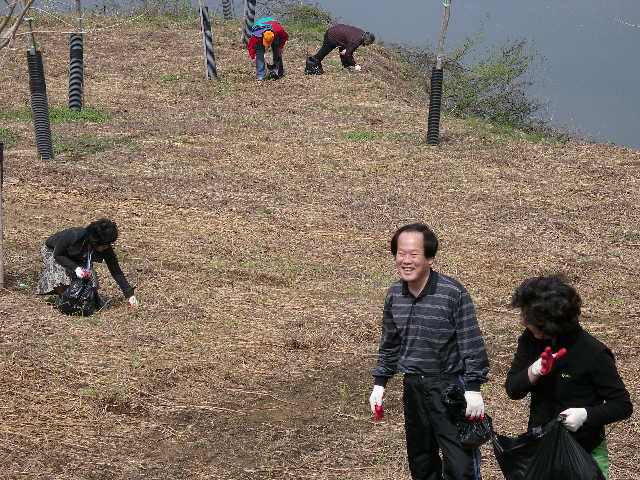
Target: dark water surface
x=588, y=79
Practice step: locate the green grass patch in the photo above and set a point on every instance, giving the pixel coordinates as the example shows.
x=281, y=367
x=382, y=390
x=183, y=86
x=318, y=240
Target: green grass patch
x=508, y=132
x=360, y=135
x=57, y=115
x=172, y=77
x=89, y=145
x=7, y=136
x=629, y=235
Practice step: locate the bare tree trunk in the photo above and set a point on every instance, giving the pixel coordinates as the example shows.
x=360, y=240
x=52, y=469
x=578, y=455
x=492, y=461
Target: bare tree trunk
x=443, y=33
x=10, y=24
x=1, y=212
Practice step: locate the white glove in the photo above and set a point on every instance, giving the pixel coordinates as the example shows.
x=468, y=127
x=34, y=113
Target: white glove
x=475, y=405
x=81, y=272
x=343, y=52
x=357, y=68
x=574, y=418
x=133, y=301
x=376, y=397
x=536, y=368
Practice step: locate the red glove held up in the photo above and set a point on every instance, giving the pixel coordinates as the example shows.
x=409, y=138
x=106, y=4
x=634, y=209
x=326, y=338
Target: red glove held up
x=548, y=358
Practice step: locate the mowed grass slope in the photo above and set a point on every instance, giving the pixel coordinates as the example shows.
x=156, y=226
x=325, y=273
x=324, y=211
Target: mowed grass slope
x=255, y=220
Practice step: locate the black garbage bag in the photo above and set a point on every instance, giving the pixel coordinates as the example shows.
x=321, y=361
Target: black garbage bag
x=313, y=67
x=470, y=434
x=548, y=452
x=79, y=298
x=275, y=71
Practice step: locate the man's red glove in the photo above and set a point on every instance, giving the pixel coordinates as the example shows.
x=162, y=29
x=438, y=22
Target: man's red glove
x=544, y=364
x=379, y=412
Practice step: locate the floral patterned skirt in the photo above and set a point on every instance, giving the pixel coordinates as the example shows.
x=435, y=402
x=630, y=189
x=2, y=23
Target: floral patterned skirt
x=54, y=274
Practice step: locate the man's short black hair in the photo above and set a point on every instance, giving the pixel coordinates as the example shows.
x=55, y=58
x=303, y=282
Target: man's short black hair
x=429, y=238
x=548, y=303
x=102, y=232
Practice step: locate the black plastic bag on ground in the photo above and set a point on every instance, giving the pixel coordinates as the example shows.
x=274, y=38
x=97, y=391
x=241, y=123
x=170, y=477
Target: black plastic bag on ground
x=275, y=71
x=471, y=434
x=79, y=298
x=313, y=67
x=548, y=452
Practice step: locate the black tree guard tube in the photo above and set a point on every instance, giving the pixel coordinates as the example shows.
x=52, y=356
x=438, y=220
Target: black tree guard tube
x=227, y=11
x=249, y=18
x=435, y=101
x=76, y=72
x=207, y=38
x=40, y=105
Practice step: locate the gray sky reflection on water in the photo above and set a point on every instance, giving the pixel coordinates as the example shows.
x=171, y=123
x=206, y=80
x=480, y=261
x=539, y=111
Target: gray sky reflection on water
x=588, y=79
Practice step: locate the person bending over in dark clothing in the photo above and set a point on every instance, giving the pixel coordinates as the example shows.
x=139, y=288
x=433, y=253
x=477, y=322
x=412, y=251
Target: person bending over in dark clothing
x=69, y=254
x=346, y=39
x=568, y=372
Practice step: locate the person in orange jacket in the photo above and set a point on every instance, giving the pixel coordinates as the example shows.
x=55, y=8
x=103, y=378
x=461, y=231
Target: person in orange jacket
x=265, y=33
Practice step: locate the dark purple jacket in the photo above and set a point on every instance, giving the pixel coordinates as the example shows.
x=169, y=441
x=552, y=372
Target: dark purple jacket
x=345, y=37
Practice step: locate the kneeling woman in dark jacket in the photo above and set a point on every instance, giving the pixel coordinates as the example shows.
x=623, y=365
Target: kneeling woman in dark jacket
x=568, y=372
x=65, y=256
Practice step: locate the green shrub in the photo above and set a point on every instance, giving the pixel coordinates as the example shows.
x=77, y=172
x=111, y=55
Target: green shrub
x=303, y=17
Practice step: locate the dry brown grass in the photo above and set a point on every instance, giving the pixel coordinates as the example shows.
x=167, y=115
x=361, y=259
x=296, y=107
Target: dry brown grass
x=257, y=232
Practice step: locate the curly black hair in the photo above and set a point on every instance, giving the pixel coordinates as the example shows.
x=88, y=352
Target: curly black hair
x=548, y=303
x=430, y=241
x=102, y=232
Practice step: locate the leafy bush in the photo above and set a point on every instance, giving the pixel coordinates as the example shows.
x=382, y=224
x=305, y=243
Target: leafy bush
x=493, y=88
x=301, y=16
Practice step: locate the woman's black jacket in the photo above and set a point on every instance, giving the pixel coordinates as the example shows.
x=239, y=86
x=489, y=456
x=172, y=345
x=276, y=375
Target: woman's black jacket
x=70, y=248
x=586, y=377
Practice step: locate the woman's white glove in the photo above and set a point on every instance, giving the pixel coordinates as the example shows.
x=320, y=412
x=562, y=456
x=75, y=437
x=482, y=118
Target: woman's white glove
x=357, y=68
x=81, y=272
x=574, y=418
x=475, y=405
x=133, y=301
x=376, y=397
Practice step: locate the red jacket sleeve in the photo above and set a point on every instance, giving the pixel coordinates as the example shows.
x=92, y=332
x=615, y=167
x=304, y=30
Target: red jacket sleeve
x=251, y=45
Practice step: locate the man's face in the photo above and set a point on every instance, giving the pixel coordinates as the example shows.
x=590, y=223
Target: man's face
x=411, y=263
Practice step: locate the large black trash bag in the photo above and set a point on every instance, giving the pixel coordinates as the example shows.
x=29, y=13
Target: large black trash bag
x=79, y=298
x=548, y=452
x=471, y=434
x=313, y=67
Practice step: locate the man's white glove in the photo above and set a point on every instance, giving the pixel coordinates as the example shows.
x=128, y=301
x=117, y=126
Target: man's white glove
x=81, y=272
x=357, y=68
x=574, y=418
x=376, y=397
x=133, y=301
x=475, y=405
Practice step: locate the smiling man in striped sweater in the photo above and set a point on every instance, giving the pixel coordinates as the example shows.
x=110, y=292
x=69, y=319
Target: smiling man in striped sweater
x=431, y=334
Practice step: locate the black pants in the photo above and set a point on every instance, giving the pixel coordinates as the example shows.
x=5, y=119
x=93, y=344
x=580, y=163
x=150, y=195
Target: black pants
x=325, y=50
x=429, y=429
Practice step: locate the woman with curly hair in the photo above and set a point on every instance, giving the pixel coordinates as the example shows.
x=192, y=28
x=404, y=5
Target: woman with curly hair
x=580, y=381
x=67, y=254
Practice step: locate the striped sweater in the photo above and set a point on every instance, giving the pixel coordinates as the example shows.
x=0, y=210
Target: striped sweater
x=434, y=333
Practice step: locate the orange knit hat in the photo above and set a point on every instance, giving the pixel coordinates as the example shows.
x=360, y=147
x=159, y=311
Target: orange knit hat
x=267, y=38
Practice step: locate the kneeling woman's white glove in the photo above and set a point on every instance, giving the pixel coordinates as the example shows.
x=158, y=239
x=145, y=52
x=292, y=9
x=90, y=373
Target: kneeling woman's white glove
x=357, y=68
x=376, y=397
x=475, y=405
x=574, y=418
x=133, y=301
